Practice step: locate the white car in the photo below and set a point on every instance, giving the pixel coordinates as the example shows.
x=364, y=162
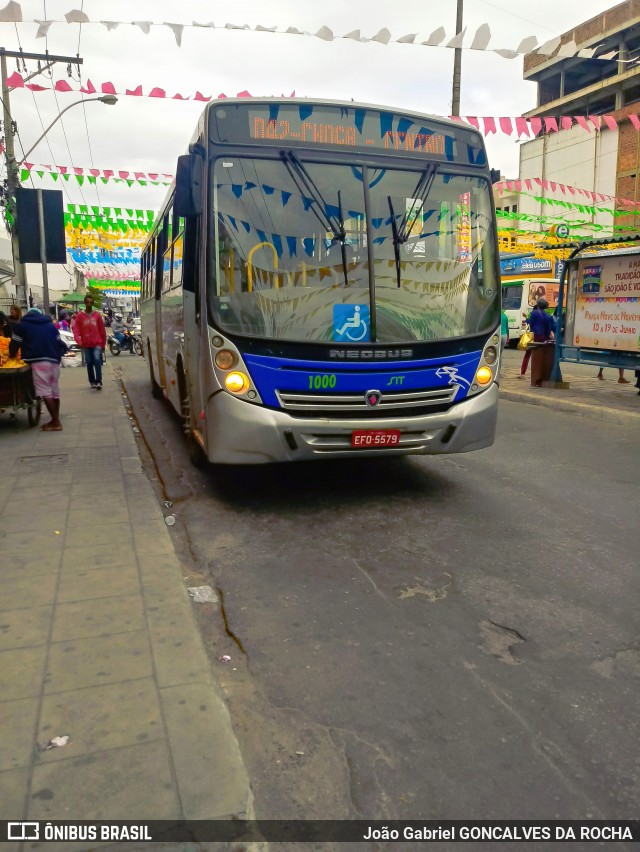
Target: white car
x=69, y=339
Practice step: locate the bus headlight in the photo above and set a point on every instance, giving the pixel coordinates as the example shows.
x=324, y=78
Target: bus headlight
x=236, y=382
x=484, y=375
x=225, y=359
x=491, y=354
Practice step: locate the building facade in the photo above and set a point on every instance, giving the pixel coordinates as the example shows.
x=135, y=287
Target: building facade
x=604, y=159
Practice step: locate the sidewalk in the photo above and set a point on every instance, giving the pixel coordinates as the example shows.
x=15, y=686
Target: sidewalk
x=98, y=640
x=588, y=396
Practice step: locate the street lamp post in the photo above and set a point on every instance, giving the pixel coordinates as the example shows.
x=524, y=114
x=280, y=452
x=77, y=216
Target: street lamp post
x=457, y=65
x=13, y=184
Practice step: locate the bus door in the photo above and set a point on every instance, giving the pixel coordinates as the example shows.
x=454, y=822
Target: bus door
x=512, y=306
x=162, y=278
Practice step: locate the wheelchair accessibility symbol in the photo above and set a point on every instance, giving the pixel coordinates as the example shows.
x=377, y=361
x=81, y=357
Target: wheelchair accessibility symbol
x=350, y=323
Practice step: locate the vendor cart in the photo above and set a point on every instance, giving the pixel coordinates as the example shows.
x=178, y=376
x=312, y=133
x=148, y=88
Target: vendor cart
x=17, y=392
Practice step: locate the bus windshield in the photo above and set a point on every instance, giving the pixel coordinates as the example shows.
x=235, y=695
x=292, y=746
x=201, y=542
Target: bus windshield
x=293, y=243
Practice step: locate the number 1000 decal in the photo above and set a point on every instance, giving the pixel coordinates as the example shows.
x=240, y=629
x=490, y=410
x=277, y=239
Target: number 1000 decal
x=325, y=381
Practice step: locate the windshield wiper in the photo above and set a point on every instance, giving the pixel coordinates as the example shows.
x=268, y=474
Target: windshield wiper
x=396, y=239
x=306, y=186
x=419, y=196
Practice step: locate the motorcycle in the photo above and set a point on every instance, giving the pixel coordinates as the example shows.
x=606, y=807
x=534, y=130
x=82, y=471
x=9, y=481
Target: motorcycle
x=132, y=343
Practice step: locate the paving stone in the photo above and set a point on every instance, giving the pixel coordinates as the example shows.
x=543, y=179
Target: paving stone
x=14, y=786
x=98, y=660
x=100, y=718
x=92, y=785
x=85, y=558
x=22, y=628
x=21, y=671
x=26, y=591
x=18, y=731
x=98, y=617
x=178, y=653
x=87, y=583
x=201, y=737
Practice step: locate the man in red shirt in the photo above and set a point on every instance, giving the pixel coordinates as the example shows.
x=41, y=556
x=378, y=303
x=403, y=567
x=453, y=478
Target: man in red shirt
x=90, y=334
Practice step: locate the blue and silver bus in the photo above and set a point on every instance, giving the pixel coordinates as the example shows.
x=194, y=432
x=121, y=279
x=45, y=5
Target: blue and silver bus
x=323, y=281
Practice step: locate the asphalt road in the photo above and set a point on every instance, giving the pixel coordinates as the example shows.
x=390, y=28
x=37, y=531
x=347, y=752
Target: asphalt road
x=425, y=638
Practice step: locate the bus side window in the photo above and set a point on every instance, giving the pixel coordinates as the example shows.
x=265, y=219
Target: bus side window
x=189, y=255
x=166, y=254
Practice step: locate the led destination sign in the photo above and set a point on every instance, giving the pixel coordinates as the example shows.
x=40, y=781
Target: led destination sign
x=357, y=128
x=341, y=134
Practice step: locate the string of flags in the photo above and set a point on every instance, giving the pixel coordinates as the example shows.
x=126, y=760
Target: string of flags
x=487, y=124
x=515, y=186
x=479, y=40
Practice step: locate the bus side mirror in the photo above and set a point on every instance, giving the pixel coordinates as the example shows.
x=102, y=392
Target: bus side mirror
x=495, y=176
x=189, y=185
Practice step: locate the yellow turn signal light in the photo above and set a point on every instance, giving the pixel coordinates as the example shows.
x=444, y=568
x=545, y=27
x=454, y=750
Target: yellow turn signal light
x=225, y=359
x=236, y=382
x=484, y=375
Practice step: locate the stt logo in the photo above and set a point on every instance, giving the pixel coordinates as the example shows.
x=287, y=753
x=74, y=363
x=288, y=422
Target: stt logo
x=395, y=380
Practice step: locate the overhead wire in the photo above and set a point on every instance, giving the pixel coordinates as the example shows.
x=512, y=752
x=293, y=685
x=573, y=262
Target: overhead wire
x=55, y=94
x=84, y=108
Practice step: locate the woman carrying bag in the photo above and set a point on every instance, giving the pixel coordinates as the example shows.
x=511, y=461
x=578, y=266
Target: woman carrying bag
x=542, y=326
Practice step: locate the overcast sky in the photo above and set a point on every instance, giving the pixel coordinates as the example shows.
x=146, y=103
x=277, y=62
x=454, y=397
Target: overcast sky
x=143, y=134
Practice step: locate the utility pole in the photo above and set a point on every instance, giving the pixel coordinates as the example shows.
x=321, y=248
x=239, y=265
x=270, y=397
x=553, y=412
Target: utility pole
x=457, y=65
x=12, y=165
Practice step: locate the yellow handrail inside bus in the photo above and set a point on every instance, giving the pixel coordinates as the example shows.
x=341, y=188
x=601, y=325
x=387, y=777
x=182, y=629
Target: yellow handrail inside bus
x=250, y=266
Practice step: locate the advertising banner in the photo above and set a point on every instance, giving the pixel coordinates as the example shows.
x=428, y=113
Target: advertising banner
x=607, y=307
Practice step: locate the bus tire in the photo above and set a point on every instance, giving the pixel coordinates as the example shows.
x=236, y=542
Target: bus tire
x=156, y=390
x=195, y=452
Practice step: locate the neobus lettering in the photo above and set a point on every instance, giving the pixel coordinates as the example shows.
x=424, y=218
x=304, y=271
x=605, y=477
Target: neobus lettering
x=370, y=354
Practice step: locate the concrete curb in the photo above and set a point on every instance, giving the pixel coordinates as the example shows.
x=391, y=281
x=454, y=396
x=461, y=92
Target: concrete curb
x=587, y=409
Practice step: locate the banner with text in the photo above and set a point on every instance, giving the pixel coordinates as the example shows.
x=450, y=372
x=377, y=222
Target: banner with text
x=607, y=313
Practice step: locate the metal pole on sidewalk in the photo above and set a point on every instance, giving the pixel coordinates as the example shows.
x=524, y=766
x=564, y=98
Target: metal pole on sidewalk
x=12, y=184
x=43, y=254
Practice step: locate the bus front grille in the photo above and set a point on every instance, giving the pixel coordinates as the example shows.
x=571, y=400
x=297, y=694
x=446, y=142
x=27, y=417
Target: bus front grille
x=349, y=404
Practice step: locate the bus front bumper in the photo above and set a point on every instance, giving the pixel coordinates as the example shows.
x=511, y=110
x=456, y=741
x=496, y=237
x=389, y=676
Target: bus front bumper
x=242, y=433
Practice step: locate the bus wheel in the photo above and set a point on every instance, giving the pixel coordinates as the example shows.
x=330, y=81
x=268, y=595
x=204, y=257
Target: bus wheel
x=195, y=452
x=156, y=390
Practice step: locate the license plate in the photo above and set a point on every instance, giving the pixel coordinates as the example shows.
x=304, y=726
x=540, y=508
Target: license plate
x=375, y=438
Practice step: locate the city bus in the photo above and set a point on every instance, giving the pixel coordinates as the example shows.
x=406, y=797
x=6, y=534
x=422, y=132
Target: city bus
x=322, y=282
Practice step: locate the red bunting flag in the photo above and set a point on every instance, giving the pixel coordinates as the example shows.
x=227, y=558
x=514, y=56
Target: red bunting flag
x=536, y=125
x=489, y=125
x=550, y=124
x=15, y=81
x=635, y=121
x=136, y=93
x=505, y=125
x=522, y=127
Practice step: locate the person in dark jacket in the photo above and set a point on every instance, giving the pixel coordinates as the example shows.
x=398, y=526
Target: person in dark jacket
x=38, y=339
x=542, y=326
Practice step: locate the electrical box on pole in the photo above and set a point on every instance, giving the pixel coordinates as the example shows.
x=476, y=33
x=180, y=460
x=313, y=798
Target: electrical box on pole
x=29, y=231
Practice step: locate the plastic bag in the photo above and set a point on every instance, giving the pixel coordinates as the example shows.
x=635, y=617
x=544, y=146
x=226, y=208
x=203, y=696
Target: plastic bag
x=525, y=340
